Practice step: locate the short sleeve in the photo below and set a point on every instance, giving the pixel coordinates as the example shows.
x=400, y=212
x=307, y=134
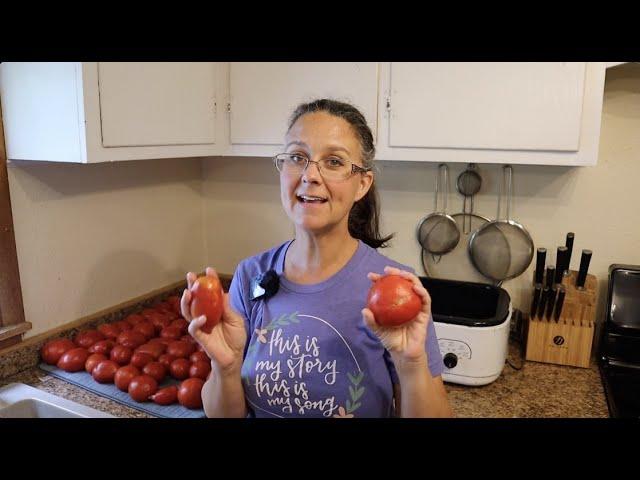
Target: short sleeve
x=237, y=297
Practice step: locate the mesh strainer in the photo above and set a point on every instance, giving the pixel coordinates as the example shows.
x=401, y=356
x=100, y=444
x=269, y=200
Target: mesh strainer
x=502, y=249
x=438, y=232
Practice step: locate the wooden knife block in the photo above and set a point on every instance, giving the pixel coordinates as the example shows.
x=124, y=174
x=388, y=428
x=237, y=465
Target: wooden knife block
x=569, y=341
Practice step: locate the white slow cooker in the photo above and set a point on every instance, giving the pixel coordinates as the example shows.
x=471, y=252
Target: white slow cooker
x=472, y=322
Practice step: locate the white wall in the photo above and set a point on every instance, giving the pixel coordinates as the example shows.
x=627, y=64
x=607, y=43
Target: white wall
x=90, y=237
x=243, y=212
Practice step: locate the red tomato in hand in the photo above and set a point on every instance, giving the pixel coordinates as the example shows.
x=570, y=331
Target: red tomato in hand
x=105, y=371
x=54, y=349
x=200, y=370
x=73, y=360
x=86, y=338
x=166, y=395
x=93, y=360
x=121, y=354
x=393, y=301
x=206, y=299
x=190, y=393
x=142, y=387
x=179, y=368
x=124, y=375
x=156, y=370
x=103, y=346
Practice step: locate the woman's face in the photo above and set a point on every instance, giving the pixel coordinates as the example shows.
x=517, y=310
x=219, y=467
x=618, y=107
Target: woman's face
x=317, y=136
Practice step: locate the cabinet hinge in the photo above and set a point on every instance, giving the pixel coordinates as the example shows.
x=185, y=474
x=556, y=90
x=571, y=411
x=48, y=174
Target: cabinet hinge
x=388, y=104
x=228, y=107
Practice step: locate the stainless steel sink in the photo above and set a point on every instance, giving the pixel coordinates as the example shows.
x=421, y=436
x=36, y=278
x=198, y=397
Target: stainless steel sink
x=18, y=400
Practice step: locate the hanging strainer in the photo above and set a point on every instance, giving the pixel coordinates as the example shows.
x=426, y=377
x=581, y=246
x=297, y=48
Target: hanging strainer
x=438, y=232
x=502, y=249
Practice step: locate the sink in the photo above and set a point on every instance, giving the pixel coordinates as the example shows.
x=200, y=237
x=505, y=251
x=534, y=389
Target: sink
x=18, y=400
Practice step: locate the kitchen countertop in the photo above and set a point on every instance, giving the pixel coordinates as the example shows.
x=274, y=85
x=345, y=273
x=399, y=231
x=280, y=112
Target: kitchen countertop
x=537, y=390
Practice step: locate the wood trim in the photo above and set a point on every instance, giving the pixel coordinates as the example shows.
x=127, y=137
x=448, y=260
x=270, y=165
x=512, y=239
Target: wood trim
x=11, y=306
x=13, y=331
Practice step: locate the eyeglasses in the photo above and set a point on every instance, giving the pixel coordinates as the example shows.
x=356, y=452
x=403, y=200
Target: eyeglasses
x=331, y=168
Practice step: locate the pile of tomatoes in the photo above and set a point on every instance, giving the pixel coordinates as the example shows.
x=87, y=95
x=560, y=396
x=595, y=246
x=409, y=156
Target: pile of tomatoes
x=137, y=354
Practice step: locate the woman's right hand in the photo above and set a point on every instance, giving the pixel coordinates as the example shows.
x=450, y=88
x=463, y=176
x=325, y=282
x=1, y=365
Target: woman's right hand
x=225, y=344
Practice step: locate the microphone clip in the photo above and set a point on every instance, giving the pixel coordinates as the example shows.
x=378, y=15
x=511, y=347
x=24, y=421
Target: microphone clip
x=265, y=285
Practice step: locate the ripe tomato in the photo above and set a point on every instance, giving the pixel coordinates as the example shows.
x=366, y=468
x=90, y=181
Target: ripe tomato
x=109, y=330
x=73, y=360
x=160, y=321
x=142, y=387
x=93, y=360
x=166, y=395
x=200, y=370
x=103, y=346
x=86, y=338
x=182, y=324
x=134, y=319
x=199, y=357
x=190, y=393
x=156, y=370
x=206, y=299
x=122, y=325
x=145, y=328
x=393, y=301
x=180, y=349
x=179, y=368
x=121, y=354
x=172, y=333
x=131, y=339
x=154, y=349
x=54, y=349
x=174, y=301
x=166, y=360
x=124, y=375
x=140, y=359
x=189, y=339
x=105, y=371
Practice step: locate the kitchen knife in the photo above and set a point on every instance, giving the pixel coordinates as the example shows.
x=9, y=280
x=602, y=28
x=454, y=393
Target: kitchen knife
x=551, y=274
x=559, y=302
x=543, y=301
x=569, y=245
x=540, y=260
x=561, y=258
x=584, y=268
x=536, y=299
x=551, y=301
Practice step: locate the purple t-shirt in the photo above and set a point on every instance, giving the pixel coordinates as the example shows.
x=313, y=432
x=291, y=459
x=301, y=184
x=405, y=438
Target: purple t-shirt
x=309, y=353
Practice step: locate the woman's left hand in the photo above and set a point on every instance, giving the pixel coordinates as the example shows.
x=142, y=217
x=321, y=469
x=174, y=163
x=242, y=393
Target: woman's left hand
x=406, y=342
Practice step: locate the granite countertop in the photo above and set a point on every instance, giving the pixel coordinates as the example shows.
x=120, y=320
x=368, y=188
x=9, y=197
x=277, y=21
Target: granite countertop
x=536, y=390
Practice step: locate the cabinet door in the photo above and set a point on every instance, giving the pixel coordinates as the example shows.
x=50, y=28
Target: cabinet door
x=496, y=106
x=263, y=95
x=147, y=104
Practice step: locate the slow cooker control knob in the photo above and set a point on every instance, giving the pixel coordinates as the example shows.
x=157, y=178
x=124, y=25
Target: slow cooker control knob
x=450, y=360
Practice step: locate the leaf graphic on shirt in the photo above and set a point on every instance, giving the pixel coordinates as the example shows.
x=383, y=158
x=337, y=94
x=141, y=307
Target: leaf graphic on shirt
x=356, y=393
x=294, y=318
x=357, y=379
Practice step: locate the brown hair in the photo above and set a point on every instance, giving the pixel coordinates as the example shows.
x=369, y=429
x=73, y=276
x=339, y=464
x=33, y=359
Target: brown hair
x=365, y=213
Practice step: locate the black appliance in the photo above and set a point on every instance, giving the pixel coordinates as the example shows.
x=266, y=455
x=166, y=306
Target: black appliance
x=619, y=358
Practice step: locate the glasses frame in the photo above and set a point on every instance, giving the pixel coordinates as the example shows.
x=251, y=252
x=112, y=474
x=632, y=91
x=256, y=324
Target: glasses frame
x=354, y=168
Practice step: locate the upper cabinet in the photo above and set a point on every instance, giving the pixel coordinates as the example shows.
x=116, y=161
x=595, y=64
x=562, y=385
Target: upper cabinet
x=264, y=95
x=535, y=113
x=97, y=112
x=518, y=113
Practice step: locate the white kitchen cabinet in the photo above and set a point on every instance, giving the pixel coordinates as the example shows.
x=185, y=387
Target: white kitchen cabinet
x=527, y=113
x=264, y=95
x=95, y=112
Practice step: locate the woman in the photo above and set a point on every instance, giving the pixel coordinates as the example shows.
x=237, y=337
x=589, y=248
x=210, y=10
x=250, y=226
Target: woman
x=312, y=350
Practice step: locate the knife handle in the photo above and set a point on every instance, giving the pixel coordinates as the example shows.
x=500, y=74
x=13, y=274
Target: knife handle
x=551, y=301
x=551, y=274
x=543, y=301
x=541, y=257
x=559, y=303
x=561, y=258
x=569, y=245
x=584, y=267
x=536, y=299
